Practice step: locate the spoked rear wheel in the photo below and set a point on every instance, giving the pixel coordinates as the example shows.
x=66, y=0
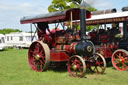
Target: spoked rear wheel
x=76, y=66
x=99, y=64
x=120, y=59
x=39, y=56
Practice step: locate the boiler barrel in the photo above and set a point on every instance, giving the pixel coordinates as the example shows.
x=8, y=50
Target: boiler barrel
x=78, y=48
x=68, y=48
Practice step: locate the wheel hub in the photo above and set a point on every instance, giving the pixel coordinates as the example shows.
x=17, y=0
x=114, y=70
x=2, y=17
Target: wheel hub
x=37, y=57
x=74, y=67
x=122, y=60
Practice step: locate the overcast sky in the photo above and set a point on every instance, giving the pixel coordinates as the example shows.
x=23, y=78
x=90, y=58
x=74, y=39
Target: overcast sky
x=12, y=10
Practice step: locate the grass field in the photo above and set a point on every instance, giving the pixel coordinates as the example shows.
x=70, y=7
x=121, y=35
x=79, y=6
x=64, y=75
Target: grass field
x=15, y=70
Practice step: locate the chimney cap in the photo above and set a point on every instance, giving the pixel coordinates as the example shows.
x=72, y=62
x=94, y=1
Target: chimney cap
x=83, y=4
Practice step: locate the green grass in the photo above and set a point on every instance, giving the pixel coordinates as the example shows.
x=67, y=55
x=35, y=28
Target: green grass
x=15, y=70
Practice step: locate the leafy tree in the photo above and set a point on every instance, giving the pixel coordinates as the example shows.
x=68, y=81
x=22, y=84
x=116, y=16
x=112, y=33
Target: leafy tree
x=60, y=5
x=8, y=30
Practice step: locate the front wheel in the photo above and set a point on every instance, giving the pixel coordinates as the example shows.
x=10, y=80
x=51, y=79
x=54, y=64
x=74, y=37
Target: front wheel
x=99, y=64
x=76, y=66
x=120, y=59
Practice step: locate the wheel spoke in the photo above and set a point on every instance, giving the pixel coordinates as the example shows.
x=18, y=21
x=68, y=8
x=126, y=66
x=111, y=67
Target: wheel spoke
x=117, y=59
x=75, y=61
x=31, y=51
x=42, y=60
x=81, y=67
x=124, y=66
x=39, y=65
x=117, y=62
x=42, y=53
x=124, y=54
x=119, y=65
x=97, y=69
x=119, y=55
x=126, y=60
x=76, y=73
x=72, y=61
x=101, y=67
x=99, y=63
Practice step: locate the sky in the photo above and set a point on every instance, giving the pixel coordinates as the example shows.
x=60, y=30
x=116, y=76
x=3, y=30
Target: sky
x=11, y=11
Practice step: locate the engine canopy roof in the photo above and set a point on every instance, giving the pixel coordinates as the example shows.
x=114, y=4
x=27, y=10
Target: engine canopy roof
x=55, y=17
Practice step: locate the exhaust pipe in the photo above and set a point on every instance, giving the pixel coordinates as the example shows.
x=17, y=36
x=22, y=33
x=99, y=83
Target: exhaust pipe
x=104, y=11
x=125, y=8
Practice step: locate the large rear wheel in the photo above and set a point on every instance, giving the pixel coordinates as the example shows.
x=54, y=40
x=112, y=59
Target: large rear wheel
x=120, y=59
x=76, y=66
x=39, y=56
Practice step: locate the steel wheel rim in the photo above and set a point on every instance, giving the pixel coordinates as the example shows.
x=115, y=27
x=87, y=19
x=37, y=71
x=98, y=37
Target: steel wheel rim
x=120, y=60
x=76, y=66
x=37, y=56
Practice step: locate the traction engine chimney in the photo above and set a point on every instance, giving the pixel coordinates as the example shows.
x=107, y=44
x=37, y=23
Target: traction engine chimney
x=82, y=20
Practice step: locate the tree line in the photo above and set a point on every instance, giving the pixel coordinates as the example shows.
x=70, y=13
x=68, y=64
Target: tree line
x=60, y=5
x=9, y=30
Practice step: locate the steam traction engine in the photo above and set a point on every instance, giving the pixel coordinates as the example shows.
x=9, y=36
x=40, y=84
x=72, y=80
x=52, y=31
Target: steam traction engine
x=112, y=42
x=63, y=46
